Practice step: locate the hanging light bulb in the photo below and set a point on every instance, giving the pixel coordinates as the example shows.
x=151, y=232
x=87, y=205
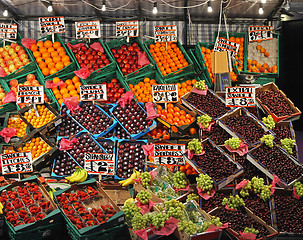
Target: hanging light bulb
x=50, y=7
x=5, y=13
x=209, y=8
x=261, y=11
x=263, y=1
x=103, y=6
x=155, y=9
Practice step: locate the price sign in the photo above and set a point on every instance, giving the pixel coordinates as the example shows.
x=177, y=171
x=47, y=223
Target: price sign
x=99, y=163
x=88, y=29
x=165, y=33
x=166, y=153
x=8, y=31
x=257, y=33
x=223, y=44
x=240, y=96
x=164, y=93
x=52, y=24
x=30, y=94
x=127, y=29
x=93, y=92
x=19, y=162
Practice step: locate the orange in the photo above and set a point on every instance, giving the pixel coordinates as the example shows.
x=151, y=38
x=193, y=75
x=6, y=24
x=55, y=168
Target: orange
x=54, y=54
x=69, y=82
x=59, y=66
x=40, y=44
x=39, y=59
x=60, y=101
x=73, y=92
x=45, y=55
x=66, y=95
x=42, y=50
x=51, y=65
x=76, y=79
x=56, y=59
x=63, y=91
x=48, y=44
x=52, y=71
x=48, y=60
x=34, y=48
x=65, y=58
x=78, y=84
x=60, y=49
x=56, y=45
x=37, y=54
x=62, y=54
x=42, y=65
x=45, y=71
x=66, y=63
x=51, y=49
x=56, y=80
x=56, y=91
x=71, y=87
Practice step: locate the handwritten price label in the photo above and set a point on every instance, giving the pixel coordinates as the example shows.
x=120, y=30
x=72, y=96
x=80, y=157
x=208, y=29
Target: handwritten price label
x=240, y=96
x=93, y=92
x=164, y=93
x=223, y=44
x=257, y=33
x=88, y=29
x=99, y=163
x=165, y=33
x=169, y=154
x=30, y=94
x=127, y=28
x=8, y=31
x=19, y=162
x=52, y=24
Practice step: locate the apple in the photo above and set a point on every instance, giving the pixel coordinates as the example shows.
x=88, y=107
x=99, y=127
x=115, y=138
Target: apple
x=10, y=62
x=14, y=45
x=4, y=53
x=6, y=69
x=19, y=64
x=25, y=61
x=1, y=49
x=30, y=77
x=18, y=48
x=2, y=95
x=7, y=58
x=11, y=51
x=20, y=52
x=14, y=55
x=7, y=47
x=15, y=89
x=22, y=56
x=1, y=90
x=12, y=68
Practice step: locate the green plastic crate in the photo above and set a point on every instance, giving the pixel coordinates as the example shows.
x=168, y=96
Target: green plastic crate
x=117, y=43
x=187, y=69
x=262, y=80
x=197, y=65
x=103, y=78
x=8, y=107
x=7, y=117
x=71, y=67
x=25, y=69
x=102, y=71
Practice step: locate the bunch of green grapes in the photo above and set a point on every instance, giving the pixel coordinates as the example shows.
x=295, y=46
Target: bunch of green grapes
x=192, y=196
x=268, y=140
x=148, y=217
x=188, y=226
x=245, y=190
x=299, y=188
x=145, y=179
x=159, y=219
x=180, y=180
x=205, y=182
x=269, y=122
x=167, y=178
x=200, y=85
x=204, y=120
x=130, y=210
x=174, y=209
x=138, y=222
x=233, y=202
x=195, y=145
x=214, y=220
x=144, y=196
x=170, y=191
x=257, y=184
x=233, y=142
x=161, y=194
x=193, y=215
x=265, y=193
x=288, y=144
x=251, y=230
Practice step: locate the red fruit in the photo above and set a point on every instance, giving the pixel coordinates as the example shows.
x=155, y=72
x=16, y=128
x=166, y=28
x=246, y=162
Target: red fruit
x=122, y=56
x=117, y=95
x=117, y=55
x=114, y=51
x=120, y=90
x=110, y=85
x=135, y=44
x=123, y=47
x=13, y=82
x=106, y=61
x=83, y=57
x=90, y=57
x=84, y=48
x=130, y=48
x=114, y=80
x=103, y=56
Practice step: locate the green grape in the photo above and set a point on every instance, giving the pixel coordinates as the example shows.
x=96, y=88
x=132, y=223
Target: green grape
x=138, y=222
x=130, y=210
x=144, y=196
x=188, y=226
x=269, y=122
x=265, y=193
x=299, y=188
x=174, y=209
x=145, y=179
x=192, y=196
x=195, y=145
x=251, y=230
x=233, y=142
x=215, y=221
x=180, y=180
x=205, y=182
x=233, y=202
x=204, y=120
x=193, y=215
x=148, y=218
x=159, y=219
x=170, y=191
x=200, y=85
x=245, y=190
x=268, y=140
x=167, y=179
x=288, y=144
x=161, y=194
x=257, y=184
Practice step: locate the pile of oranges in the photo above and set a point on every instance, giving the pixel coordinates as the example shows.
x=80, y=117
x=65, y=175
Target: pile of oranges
x=16, y=122
x=160, y=131
x=51, y=57
x=254, y=66
x=174, y=115
x=187, y=169
x=71, y=88
x=240, y=55
x=168, y=57
x=143, y=90
x=185, y=87
x=36, y=146
x=45, y=116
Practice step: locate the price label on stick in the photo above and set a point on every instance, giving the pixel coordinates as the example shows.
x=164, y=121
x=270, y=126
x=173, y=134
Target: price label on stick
x=99, y=163
x=165, y=93
x=30, y=94
x=257, y=33
x=240, y=96
x=165, y=33
x=8, y=31
x=127, y=28
x=166, y=153
x=88, y=29
x=52, y=24
x=223, y=44
x=93, y=92
x=19, y=162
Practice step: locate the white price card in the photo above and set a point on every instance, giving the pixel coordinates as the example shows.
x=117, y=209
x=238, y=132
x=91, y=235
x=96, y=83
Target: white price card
x=223, y=44
x=240, y=96
x=52, y=24
x=93, y=92
x=127, y=28
x=88, y=29
x=8, y=31
x=19, y=162
x=30, y=94
x=165, y=93
x=259, y=33
x=99, y=163
x=168, y=153
x=165, y=33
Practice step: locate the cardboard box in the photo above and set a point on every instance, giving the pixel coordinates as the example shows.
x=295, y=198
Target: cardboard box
x=116, y=192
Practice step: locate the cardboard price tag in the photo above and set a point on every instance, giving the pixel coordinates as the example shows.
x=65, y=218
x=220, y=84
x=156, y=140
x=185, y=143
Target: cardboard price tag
x=52, y=24
x=223, y=44
x=240, y=96
x=165, y=33
x=166, y=153
x=93, y=92
x=30, y=94
x=257, y=33
x=165, y=93
x=88, y=29
x=8, y=31
x=19, y=162
x=99, y=163
x=127, y=28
